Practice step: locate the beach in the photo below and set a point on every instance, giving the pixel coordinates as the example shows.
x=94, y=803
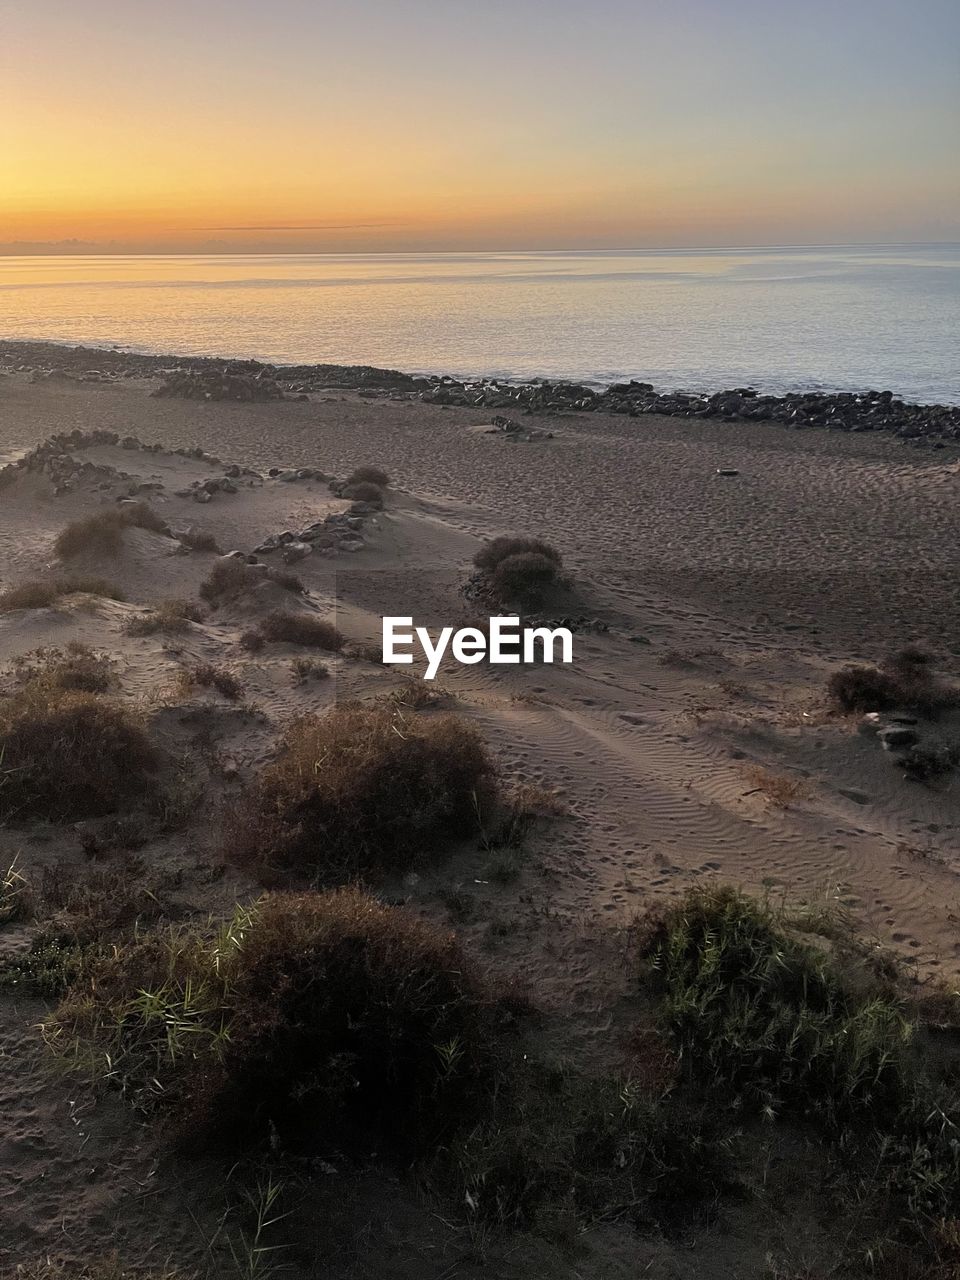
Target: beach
x=720, y=571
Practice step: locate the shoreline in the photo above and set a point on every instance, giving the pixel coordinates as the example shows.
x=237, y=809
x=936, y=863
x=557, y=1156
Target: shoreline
x=219, y=378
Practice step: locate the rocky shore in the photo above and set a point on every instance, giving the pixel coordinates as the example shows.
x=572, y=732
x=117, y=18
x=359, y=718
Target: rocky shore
x=209, y=378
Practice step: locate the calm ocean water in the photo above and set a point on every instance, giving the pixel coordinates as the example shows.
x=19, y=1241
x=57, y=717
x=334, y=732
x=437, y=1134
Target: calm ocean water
x=778, y=319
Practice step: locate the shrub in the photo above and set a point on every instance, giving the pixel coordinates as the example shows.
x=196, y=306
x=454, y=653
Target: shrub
x=101, y=533
x=289, y=581
x=524, y=577
x=197, y=540
x=857, y=688
x=368, y=475
x=41, y=594
x=169, y=616
x=231, y=578
x=324, y=1023
x=776, y=1020
x=66, y=755
x=362, y=788
x=363, y=491
x=303, y=669
x=76, y=669
x=905, y=681
x=209, y=676
x=490, y=556
x=227, y=580
x=301, y=628
x=252, y=641
x=924, y=763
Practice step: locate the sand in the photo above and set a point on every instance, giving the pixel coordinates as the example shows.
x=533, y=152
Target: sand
x=716, y=607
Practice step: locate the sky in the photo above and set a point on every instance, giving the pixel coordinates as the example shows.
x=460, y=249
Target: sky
x=395, y=125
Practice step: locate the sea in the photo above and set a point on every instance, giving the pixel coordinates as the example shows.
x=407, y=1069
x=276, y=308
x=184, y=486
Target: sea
x=831, y=318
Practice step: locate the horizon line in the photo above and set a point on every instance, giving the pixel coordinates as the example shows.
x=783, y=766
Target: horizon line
x=85, y=249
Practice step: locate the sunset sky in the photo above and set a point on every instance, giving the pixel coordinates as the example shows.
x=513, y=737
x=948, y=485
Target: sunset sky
x=472, y=124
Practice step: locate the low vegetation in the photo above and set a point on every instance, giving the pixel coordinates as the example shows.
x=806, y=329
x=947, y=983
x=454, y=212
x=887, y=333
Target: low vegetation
x=206, y=675
x=198, y=540
x=779, y=789
x=520, y=570
x=368, y=475
x=905, y=682
x=102, y=533
x=42, y=593
x=282, y=626
x=76, y=668
x=363, y=491
x=66, y=752
x=305, y=669
x=226, y=1032
x=169, y=617
x=101, y=1269
x=774, y=1025
x=231, y=578
x=16, y=897
x=362, y=789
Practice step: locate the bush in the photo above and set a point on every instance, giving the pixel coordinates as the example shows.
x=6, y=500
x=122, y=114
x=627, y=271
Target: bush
x=524, y=577
x=301, y=628
x=228, y=580
x=368, y=475
x=490, y=556
x=231, y=578
x=362, y=788
x=77, y=669
x=41, y=594
x=209, y=676
x=169, y=616
x=67, y=755
x=197, y=540
x=363, y=491
x=324, y=1023
x=101, y=533
x=304, y=669
x=905, y=681
x=754, y=1009
x=854, y=688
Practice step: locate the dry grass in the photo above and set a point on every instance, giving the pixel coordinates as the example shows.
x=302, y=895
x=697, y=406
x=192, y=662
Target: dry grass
x=502, y=548
x=368, y=475
x=525, y=577
x=198, y=540
x=306, y=669
x=101, y=1269
x=171, y=617
x=41, y=593
x=778, y=789
x=66, y=755
x=363, y=491
x=206, y=675
x=321, y=1022
x=102, y=533
x=906, y=681
x=76, y=668
x=285, y=627
x=415, y=695
x=229, y=579
x=361, y=788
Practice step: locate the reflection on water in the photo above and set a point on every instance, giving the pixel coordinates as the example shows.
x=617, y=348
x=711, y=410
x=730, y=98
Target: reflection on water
x=775, y=318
